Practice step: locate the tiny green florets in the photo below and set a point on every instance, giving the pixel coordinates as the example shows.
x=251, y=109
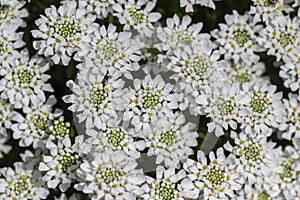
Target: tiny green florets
x=25, y=76
x=67, y=29
x=67, y=160
x=97, y=96
x=183, y=38
x=200, y=66
x=167, y=137
x=285, y=38
x=20, y=186
x=226, y=107
x=215, y=176
x=109, y=50
x=251, y=152
x=242, y=78
x=287, y=170
x=110, y=174
x=114, y=136
x=137, y=16
x=166, y=191
x=150, y=100
x=60, y=128
x=40, y=123
x=263, y=196
x=241, y=37
x=258, y=104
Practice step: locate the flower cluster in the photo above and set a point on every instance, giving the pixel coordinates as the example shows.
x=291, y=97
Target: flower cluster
x=115, y=101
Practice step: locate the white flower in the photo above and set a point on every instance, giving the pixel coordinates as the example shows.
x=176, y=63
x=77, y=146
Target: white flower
x=10, y=42
x=196, y=68
x=290, y=73
x=149, y=100
x=34, y=127
x=63, y=31
x=188, y=4
x=61, y=164
x=223, y=107
x=99, y=8
x=214, y=177
x=171, y=139
x=243, y=72
x=137, y=15
x=24, y=82
x=12, y=12
x=167, y=185
x=237, y=38
x=268, y=10
x=263, y=108
x=115, y=138
x=179, y=33
x=111, y=52
x=281, y=38
x=21, y=183
x=110, y=176
x=7, y=116
x=291, y=125
x=253, y=157
x=96, y=99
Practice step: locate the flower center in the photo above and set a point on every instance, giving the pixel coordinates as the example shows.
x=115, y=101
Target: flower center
x=215, y=176
x=137, y=16
x=243, y=77
x=183, y=38
x=263, y=196
x=110, y=174
x=150, y=100
x=241, y=37
x=109, y=50
x=20, y=186
x=97, y=96
x=25, y=76
x=251, y=152
x=167, y=137
x=67, y=29
x=200, y=66
x=114, y=136
x=270, y=3
x=60, y=128
x=40, y=123
x=67, y=159
x=285, y=38
x=258, y=104
x=287, y=171
x=166, y=191
x=226, y=107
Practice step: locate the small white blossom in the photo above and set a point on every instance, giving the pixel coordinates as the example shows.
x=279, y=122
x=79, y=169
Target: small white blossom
x=63, y=31
x=137, y=15
x=61, y=164
x=237, y=38
x=21, y=183
x=110, y=176
x=171, y=140
x=95, y=99
x=24, y=82
x=149, y=100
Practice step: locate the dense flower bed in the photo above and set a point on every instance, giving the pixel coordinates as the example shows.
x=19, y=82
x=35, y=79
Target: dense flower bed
x=112, y=100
